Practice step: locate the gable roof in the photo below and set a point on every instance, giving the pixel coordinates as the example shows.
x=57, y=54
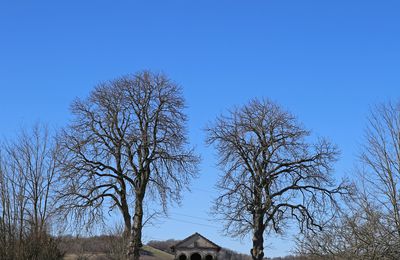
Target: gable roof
x=196, y=241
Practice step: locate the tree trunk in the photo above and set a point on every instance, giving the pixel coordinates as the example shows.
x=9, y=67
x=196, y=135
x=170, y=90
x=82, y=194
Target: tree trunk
x=136, y=239
x=127, y=225
x=127, y=218
x=257, y=252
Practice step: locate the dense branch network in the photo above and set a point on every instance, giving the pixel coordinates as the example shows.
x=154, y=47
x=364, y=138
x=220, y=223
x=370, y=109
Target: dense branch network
x=271, y=172
x=128, y=139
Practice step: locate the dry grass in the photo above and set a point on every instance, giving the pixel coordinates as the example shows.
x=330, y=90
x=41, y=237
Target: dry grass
x=156, y=254
x=150, y=254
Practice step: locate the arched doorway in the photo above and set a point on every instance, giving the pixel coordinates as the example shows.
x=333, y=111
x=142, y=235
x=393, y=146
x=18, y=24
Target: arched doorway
x=195, y=256
x=182, y=257
x=209, y=257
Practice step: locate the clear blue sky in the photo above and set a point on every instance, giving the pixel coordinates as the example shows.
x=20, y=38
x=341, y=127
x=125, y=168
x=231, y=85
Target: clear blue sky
x=326, y=61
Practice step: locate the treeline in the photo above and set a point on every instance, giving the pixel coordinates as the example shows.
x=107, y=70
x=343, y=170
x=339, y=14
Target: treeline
x=103, y=247
x=27, y=196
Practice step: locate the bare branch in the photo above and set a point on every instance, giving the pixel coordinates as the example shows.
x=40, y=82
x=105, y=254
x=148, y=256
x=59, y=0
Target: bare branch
x=271, y=173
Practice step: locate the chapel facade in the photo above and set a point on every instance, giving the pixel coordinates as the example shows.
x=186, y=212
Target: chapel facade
x=196, y=247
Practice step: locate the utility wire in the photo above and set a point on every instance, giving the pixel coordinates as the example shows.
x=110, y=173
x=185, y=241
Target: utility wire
x=194, y=217
x=203, y=190
x=193, y=223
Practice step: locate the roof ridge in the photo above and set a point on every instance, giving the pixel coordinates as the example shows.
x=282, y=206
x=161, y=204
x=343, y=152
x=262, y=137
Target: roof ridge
x=191, y=236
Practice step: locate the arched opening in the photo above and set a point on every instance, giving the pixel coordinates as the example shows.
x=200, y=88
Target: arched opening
x=209, y=257
x=182, y=257
x=195, y=256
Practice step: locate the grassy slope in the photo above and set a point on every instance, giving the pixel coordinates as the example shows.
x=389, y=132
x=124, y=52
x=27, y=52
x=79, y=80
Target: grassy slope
x=156, y=254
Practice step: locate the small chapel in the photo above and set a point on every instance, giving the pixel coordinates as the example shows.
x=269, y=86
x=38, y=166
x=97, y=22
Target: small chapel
x=196, y=247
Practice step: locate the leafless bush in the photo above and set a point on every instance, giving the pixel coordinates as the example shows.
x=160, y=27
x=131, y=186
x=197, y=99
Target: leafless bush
x=362, y=231
x=116, y=243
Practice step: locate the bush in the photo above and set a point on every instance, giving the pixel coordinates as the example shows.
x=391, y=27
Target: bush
x=30, y=247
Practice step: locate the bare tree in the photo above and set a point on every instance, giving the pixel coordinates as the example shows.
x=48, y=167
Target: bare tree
x=369, y=228
x=35, y=154
x=271, y=173
x=27, y=195
x=127, y=139
x=380, y=159
x=361, y=231
x=13, y=207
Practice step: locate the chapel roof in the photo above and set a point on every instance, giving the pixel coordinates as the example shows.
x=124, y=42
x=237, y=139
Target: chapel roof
x=196, y=241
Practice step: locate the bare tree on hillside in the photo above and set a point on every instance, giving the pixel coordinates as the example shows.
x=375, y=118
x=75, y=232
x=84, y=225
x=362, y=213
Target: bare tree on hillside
x=127, y=139
x=271, y=172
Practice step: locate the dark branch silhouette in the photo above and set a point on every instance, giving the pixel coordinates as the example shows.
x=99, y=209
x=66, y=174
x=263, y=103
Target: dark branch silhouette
x=272, y=173
x=128, y=139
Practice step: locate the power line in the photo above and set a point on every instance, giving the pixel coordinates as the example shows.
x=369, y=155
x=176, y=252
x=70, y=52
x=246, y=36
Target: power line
x=193, y=223
x=189, y=216
x=167, y=217
x=203, y=190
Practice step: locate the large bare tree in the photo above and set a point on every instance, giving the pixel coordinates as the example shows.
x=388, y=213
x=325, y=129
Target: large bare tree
x=128, y=138
x=272, y=172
